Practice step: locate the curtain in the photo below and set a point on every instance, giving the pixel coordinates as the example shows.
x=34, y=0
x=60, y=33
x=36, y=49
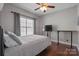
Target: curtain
x=78, y=21
x=17, y=23
x=34, y=26
x=1, y=42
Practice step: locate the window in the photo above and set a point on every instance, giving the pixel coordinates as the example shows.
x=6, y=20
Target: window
x=26, y=26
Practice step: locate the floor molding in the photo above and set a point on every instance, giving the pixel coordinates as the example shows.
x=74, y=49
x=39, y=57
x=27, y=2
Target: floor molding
x=67, y=43
x=78, y=48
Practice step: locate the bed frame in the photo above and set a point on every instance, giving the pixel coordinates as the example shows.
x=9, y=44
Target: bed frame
x=1, y=42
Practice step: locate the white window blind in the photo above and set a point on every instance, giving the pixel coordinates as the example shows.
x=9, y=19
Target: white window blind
x=26, y=26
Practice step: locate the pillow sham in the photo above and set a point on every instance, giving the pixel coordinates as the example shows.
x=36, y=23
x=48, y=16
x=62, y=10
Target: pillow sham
x=9, y=42
x=14, y=37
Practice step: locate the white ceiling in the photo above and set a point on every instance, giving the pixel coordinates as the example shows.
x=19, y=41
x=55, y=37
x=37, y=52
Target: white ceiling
x=31, y=6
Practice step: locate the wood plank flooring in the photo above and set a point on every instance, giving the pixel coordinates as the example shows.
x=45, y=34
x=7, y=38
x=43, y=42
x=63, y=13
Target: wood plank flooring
x=59, y=50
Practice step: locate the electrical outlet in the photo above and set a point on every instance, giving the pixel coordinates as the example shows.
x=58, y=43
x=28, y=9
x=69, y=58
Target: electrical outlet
x=67, y=40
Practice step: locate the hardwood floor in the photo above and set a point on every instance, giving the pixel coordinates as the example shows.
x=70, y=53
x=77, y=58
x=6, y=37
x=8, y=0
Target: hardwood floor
x=59, y=50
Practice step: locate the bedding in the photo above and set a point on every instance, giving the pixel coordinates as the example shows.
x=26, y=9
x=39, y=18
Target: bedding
x=9, y=42
x=14, y=37
x=31, y=46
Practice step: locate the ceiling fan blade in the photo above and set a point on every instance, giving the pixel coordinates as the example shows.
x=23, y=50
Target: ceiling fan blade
x=37, y=8
x=51, y=6
x=38, y=3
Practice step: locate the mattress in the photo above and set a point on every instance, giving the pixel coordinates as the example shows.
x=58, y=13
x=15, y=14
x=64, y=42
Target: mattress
x=31, y=46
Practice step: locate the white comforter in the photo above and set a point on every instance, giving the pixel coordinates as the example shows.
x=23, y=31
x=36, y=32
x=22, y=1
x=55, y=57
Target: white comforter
x=31, y=46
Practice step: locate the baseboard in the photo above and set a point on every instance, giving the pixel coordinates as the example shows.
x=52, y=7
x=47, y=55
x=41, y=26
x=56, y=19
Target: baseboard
x=67, y=43
x=78, y=48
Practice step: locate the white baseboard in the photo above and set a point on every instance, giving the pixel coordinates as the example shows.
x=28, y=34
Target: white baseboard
x=67, y=43
x=78, y=48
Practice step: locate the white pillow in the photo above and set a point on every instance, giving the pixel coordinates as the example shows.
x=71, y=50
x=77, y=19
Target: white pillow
x=14, y=37
x=9, y=42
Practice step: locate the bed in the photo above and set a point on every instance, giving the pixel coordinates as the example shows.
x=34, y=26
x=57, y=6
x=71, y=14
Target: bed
x=31, y=45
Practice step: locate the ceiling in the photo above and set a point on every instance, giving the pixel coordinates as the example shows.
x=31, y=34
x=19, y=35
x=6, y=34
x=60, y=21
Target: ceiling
x=31, y=6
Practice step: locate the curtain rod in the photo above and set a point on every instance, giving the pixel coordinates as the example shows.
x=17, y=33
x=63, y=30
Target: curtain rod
x=22, y=14
x=13, y=12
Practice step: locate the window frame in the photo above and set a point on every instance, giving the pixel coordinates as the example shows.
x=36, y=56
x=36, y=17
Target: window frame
x=25, y=17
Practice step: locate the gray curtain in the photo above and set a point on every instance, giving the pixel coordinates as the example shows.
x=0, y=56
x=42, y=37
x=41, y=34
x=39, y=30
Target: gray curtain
x=34, y=26
x=78, y=21
x=17, y=23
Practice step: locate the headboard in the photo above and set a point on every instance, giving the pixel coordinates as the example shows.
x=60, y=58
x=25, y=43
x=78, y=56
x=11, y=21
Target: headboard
x=1, y=42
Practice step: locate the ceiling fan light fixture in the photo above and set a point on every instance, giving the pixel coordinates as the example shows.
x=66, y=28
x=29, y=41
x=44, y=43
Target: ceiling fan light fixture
x=43, y=8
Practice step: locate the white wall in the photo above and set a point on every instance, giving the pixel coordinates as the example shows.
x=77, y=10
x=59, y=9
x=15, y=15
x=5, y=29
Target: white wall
x=1, y=6
x=63, y=20
x=7, y=18
x=78, y=25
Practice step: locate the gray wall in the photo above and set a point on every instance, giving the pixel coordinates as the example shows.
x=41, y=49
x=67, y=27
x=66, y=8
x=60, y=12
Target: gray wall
x=63, y=20
x=7, y=18
x=39, y=23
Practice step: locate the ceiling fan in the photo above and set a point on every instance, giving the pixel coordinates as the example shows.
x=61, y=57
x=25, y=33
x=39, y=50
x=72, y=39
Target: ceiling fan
x=44, y=6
